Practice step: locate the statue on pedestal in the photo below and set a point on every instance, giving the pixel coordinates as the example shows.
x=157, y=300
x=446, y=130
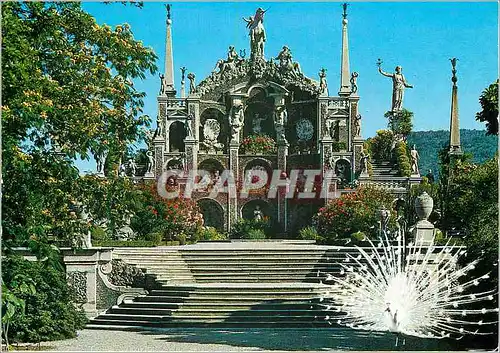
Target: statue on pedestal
x=363, y=163
x=398, y=85
x=280, y=120
x=183, y=75
x=158, y=131
x=286, y=62
x=192, y=86
x=354, y=85
x=163, y=87
x=132, y=166
x=257, y=214
x=414, y=161
x=237, y=121
x=187, y=125
x=257, y=34
x=357, y=125
x=323, y=86
x=151, y=162
x=100, y=159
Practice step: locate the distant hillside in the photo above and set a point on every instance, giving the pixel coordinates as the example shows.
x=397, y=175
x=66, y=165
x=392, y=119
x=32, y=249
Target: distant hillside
x=429, y=143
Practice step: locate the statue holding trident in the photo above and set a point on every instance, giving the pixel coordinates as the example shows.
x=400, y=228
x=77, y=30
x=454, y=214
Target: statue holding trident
x=398, y=85
x=257, y=33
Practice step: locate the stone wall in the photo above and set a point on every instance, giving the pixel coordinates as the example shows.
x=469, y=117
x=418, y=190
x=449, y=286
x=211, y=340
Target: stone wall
x=98, y=281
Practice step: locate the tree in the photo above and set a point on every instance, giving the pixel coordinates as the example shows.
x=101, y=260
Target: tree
x=489, y=112
x=380, y=145
x=400, y=122
x=67, y=91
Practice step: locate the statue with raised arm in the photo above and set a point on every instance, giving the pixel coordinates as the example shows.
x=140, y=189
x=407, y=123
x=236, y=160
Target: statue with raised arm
x=398, y=85
x=257, y=33
x=357, y=125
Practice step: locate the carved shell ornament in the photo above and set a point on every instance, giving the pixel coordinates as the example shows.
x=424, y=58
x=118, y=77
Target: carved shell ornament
x=305, y=129
x=211, y=129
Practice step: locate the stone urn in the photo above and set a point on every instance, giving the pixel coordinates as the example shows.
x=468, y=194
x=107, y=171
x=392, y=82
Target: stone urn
x=423, y=206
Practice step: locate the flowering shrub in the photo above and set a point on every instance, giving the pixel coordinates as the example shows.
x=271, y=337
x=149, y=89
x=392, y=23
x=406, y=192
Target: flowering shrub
x=169, y=217
x=354, y=212
x=258, y=144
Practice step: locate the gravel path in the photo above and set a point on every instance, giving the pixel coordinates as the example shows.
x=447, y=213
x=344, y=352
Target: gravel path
x=233, y=340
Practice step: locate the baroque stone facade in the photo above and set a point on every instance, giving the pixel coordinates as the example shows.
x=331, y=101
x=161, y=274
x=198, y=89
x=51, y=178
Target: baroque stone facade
x=244, y=98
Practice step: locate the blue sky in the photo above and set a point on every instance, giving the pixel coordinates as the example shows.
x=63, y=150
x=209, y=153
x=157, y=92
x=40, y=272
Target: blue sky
x=420, y=37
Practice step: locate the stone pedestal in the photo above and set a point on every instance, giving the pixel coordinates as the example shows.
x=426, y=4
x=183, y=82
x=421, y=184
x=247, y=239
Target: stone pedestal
x=424, y=233
x=357, y=146
x=191, y=153
x=87, y=273
x=82, y=272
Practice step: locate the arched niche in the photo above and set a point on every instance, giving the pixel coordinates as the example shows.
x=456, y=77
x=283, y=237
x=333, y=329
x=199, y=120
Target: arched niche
x=251, y=208
x=211, y=165
x=343, y=170
x=212, y=119
x=258, y=164
x=213, y=213
x=176, y=136
x=259, y=113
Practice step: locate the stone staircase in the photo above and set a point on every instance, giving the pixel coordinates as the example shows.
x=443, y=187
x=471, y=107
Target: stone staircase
x=242, y=284
x=383, y=168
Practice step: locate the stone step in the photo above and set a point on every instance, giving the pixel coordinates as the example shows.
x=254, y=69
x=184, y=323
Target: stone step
x=267, y=278
x=269, y=304
x=236, y=291
x=221, y=299
x=226, y=317
x=246, y=268
x=210, y=313
x=133, y=325
x=258, y=279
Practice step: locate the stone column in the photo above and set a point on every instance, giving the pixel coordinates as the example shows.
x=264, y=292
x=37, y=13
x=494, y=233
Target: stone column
x=191, y=142
x=232, y=210
x=193, y=104
x=356, y=141
x=159, y=159
x=282, y=202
